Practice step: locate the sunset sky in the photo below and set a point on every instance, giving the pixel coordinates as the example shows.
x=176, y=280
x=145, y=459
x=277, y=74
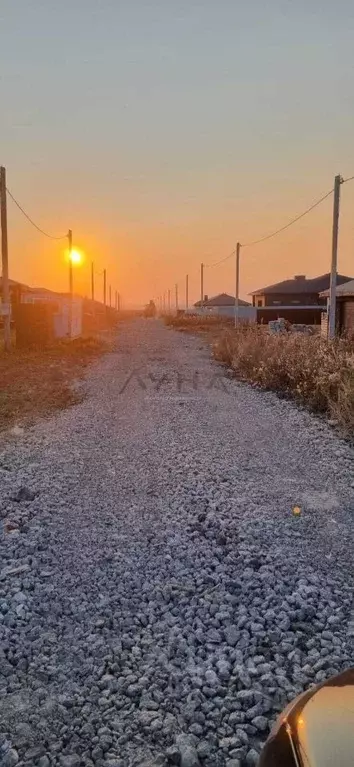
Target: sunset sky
x=163, y=131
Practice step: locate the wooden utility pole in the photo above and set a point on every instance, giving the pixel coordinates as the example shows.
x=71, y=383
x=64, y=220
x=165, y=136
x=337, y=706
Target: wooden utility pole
x=237, y=282
x=176, y=290
x=71, y=286
x=6, y=303
x=202, y=286
x=110, y=296
x=92, y=281
x=186, y=291
x=333, y=283
x=105, y=287
x=169, y=301
x=164, y=303
x=118, y=301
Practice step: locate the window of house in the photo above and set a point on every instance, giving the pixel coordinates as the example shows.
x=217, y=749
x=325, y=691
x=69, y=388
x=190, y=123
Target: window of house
x=259, y=302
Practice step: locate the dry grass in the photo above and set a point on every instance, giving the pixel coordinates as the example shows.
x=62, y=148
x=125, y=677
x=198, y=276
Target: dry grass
x=198, y=323
x=342, y=407
x=37, y=382
x=314, y=372
x=311, y=370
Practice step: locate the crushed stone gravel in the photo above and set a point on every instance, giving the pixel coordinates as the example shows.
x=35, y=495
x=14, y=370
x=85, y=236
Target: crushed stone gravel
x=159, y=602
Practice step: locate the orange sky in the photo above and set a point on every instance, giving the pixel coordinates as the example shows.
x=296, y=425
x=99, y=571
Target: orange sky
x=162, y=133
x=144, y=260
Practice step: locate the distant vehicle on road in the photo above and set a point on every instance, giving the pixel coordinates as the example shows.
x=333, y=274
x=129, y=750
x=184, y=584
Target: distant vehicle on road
x=150, y=309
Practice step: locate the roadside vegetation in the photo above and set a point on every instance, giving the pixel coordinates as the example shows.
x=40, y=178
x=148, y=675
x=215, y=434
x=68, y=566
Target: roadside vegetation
x=38, y=381
x=198, y=323
x=316, y=373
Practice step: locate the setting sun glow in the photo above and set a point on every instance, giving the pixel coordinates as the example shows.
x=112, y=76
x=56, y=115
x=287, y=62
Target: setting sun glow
x=76, y=257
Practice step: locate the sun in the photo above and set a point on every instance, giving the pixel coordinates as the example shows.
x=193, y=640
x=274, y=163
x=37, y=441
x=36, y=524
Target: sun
x=76, y=257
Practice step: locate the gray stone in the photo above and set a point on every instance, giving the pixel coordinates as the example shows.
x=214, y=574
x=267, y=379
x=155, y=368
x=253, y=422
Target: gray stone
x=242, y=736
x=252, y=758
x=34, y=752
x=188, y=752
x=236, y=717
x=156, y=724
x=260, y=722
x=44, y=762
x=24, y=494
x=173, y=754
x=146, y=717
x=189, y=757
x=10, y=759
x=203, y=749
x=211, y=678
x=223, y=668
x=19, y=597
x=232, y=635
x=71, y=760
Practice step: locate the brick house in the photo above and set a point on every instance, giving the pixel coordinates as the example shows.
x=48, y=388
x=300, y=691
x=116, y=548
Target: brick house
x=298, y=300
x=344, y=307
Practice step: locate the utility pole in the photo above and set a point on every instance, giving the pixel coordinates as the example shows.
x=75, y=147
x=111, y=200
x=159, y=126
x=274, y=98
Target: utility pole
x=176, y=289
x=104, y=287
x=92, y=281
x=333, y=283
x=71, y=287
x=202, y=286
x=118, y=301
x=110, y=296
x=164, y=303
x=169, y=301
x=237, y=282
x=187, y=291
x=5, y=262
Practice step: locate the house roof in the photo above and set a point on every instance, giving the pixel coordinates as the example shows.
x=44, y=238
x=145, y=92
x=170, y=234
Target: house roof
x=14, y=283
x=345, y=289
x=29, y=289
x=300, y=284
x=222, y=299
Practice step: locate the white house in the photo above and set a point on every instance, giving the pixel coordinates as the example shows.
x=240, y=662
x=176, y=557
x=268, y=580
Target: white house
x=224, y=305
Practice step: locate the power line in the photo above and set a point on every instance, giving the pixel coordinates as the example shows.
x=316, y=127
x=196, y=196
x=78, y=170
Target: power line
x=210, y=266
x=273, y=234
x=50, y=236
x=293, y=221
x=345, y=180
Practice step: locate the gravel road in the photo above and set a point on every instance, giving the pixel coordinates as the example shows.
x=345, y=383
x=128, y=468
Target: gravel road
x=159, y=602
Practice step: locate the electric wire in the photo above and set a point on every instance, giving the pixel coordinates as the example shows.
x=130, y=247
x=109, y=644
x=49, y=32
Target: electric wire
x=290, y=223
x=210, y=266
x=50, y=236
